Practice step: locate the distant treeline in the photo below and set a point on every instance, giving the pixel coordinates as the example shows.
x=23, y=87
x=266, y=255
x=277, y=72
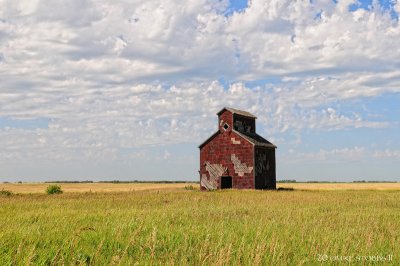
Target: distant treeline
x=60, y=181
x=158, y=182
x=374, y=181
x=124, y=182
x=196, y=182
x=360, y=181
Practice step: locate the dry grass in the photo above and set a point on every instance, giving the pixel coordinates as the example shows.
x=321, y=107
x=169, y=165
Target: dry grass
x=26, y=188
x=341, y=186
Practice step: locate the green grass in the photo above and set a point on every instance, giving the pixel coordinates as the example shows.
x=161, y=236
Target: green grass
x=189, y=227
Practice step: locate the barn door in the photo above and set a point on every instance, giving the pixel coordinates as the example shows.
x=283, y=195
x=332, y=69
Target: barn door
x=265, y=175
x=226, y=182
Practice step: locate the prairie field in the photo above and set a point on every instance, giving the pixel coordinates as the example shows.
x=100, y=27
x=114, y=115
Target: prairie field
x=92, y=187
x=26, y=188
x=176, y=226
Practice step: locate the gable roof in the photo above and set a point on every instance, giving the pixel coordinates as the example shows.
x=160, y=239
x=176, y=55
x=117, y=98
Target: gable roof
x=255, y=139
x=209, y=139
x=237, y=111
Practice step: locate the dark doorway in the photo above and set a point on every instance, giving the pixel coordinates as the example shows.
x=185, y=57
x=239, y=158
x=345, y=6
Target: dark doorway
x=265, y=173
x=226, y=182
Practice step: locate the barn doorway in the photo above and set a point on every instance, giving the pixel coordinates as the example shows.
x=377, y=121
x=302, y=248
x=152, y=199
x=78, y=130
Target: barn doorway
x=226, y=182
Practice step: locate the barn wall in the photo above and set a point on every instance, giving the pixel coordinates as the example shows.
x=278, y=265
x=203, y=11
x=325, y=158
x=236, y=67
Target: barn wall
x=265, y=168
x=227, y=154
x=225, y=117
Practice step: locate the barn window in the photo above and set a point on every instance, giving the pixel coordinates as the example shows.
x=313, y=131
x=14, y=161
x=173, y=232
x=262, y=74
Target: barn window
x=226, y=126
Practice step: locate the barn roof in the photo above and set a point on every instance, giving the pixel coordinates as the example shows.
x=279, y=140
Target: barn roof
x=237, y=111
x=255, y=139
x=209, y=139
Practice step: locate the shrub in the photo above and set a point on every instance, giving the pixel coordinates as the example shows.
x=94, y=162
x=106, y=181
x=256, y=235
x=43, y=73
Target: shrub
x=190, y=187
x=4, y=192
x=54, y=189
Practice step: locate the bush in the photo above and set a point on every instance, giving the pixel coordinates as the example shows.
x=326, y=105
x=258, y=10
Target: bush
x=4, y=192
x=190, y=187
x=54, y=189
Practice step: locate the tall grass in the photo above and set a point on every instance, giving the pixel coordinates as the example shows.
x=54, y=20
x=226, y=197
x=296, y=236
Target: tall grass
x=188, y=227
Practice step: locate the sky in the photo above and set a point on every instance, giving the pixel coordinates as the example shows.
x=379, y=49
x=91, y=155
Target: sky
x=127, y=90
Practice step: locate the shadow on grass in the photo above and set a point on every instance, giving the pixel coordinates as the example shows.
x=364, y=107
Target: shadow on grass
x=285, y=189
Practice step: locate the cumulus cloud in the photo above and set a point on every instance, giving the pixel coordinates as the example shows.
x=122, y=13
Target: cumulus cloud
x=388, y=154
x=132, y=117
x=397, y=6
x=348, y=154
x=128, y=74
x=333, y=156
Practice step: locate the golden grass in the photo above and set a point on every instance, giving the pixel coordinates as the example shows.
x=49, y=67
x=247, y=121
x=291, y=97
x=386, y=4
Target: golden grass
x=341, y=186
x=26, y=188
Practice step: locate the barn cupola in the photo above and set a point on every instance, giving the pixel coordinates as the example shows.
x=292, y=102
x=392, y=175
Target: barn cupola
x=242, y=121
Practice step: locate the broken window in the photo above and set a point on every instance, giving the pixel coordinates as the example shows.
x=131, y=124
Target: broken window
x=238, y=125
x=248, y=129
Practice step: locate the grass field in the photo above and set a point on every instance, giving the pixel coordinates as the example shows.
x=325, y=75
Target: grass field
x=25, y=188
x=341, y=186
x=175, y=226
x=92, y=187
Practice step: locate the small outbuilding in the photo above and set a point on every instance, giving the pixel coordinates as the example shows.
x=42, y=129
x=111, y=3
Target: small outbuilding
x=236, y=156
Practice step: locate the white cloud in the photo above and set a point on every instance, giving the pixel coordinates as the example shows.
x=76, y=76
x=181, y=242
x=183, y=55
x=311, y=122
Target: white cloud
x=166, y=40
x=128, y=74
x=391, y=154
x=333, y=156
x=354, y=154
x=132, y=117
x=397, y=6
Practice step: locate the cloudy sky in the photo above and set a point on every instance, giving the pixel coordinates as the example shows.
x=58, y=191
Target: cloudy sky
x=128, y=89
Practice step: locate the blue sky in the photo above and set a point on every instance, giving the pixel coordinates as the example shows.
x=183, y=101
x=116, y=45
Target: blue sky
x=106, y=90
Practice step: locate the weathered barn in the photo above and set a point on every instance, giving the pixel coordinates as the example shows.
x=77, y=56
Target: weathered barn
x=236, y=156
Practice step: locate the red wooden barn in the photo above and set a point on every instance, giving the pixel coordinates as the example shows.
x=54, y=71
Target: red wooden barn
x=236, y=156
